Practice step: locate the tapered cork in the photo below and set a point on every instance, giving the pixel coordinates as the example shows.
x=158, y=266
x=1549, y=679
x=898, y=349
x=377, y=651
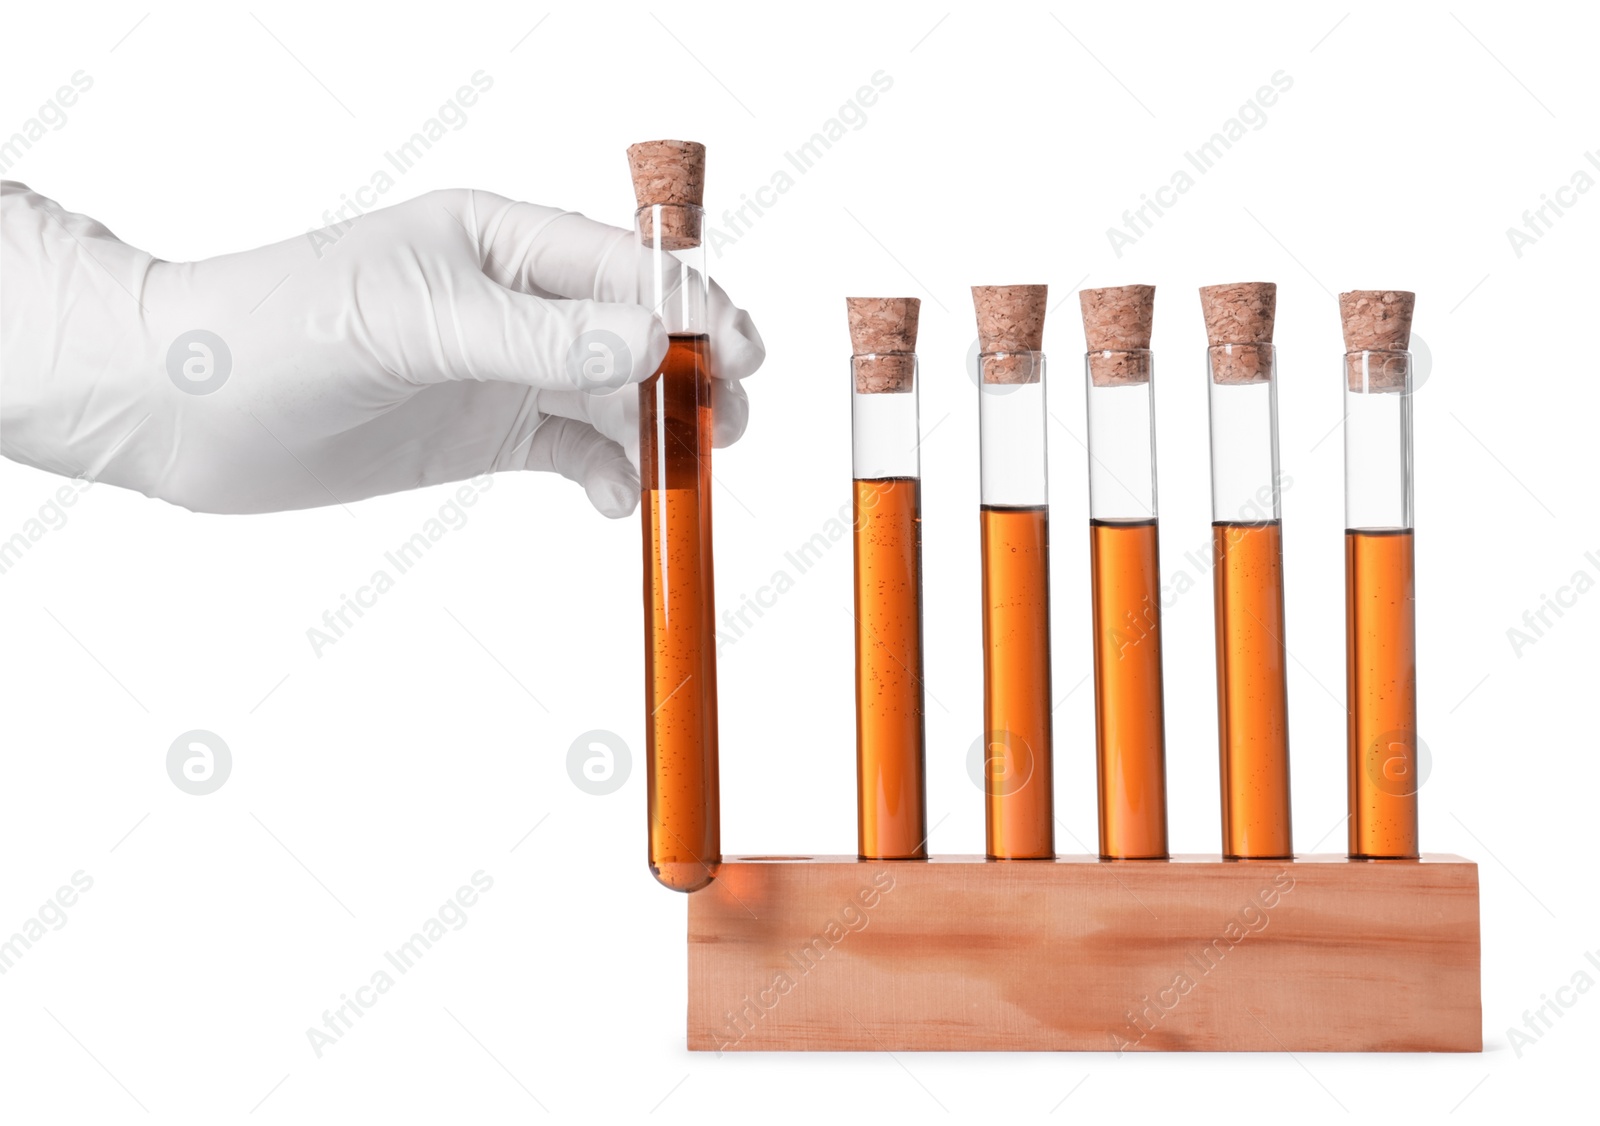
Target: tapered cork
x=1116, y=326
x=673, y=175
x=883, y=342
x=1010, y=331
x=1239, y=321
x=1377, y=321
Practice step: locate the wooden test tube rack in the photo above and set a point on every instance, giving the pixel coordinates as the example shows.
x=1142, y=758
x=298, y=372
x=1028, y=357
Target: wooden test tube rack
x=1320, y=953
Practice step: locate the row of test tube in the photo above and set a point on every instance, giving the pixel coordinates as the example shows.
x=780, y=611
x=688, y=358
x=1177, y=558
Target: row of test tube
x=675, y=410
x=1018, y=756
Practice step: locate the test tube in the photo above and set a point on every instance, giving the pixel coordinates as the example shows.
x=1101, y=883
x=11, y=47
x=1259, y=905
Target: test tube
x=1252, y=682
x=891, y=792
x=1130, y=738
x=1014, y=518
x=1379, y=582
x=680, y=654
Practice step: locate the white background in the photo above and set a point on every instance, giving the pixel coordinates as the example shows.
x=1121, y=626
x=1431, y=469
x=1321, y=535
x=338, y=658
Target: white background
x=429, y=743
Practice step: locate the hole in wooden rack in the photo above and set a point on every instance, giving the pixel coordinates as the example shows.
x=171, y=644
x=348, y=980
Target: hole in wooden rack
x=754, y=858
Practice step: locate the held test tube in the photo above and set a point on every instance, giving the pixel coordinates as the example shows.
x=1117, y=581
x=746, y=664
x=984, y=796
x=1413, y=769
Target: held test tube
x=1380, y=595
x=891, y=794
x=1252, y=681
x=1014, y=516
x=675, y=483
x=1130, y=738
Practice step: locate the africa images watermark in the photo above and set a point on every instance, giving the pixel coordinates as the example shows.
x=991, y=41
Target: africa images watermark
x=1138, y=623
x=451, y=916
x=1260, y=509
x=350, y=609
x=51, y=117
x=199, y=762
x=52, y=516
x=1250, y=117
x=51, y=916
x=751, y=608
x=451, y=117
x=850, y=919
x=1536, y=623
x=1540, y=221
x=1146, y=1015
x=850, y=117
x=1537, y=1022
x=599, y=762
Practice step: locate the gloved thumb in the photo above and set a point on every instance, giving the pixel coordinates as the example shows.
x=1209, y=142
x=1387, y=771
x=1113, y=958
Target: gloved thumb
x=580, y=453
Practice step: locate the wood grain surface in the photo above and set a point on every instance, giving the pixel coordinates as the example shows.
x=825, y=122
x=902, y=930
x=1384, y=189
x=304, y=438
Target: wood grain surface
x=1192, y=954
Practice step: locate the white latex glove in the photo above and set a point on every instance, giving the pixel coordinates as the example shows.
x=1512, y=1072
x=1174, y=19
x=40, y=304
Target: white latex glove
x=432, y=341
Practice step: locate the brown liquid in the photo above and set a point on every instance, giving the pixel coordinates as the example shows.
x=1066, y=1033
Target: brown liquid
x=1381, y=692
x=680, y=656
x=1019, y=783
x=1252, y=690
x=891, y=797
x=1130, y=738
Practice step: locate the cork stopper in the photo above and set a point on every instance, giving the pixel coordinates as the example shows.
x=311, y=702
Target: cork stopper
x=1116, y=325
x=1240, y=316
x=672, y=174
x=883, y=342
x=1376, y=320
x=1010, y=322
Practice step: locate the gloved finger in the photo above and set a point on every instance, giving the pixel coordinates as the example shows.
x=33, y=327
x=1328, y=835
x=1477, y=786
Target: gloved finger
x=545, y=250
x=730, y=412
x=615, y=415
x=737, y=350
x=494, y=333
x=561, y=253
x=580, y=453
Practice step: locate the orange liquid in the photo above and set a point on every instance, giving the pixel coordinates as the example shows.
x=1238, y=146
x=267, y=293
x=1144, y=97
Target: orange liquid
x=680, y=655
x=1019, y=782
x=891, y=798
x=1252, y=690
x=1381, y=692
x=1130, y=739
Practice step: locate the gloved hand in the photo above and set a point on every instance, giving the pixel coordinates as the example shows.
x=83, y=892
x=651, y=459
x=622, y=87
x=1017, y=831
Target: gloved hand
x=452, y=335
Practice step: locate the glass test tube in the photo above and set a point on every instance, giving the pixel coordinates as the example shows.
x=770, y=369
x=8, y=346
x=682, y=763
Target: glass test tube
x=891, y=792
x=1019, y=785
x=1130, y=738
x=1380, y=594
x=1252, y=681
x=675, y=480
